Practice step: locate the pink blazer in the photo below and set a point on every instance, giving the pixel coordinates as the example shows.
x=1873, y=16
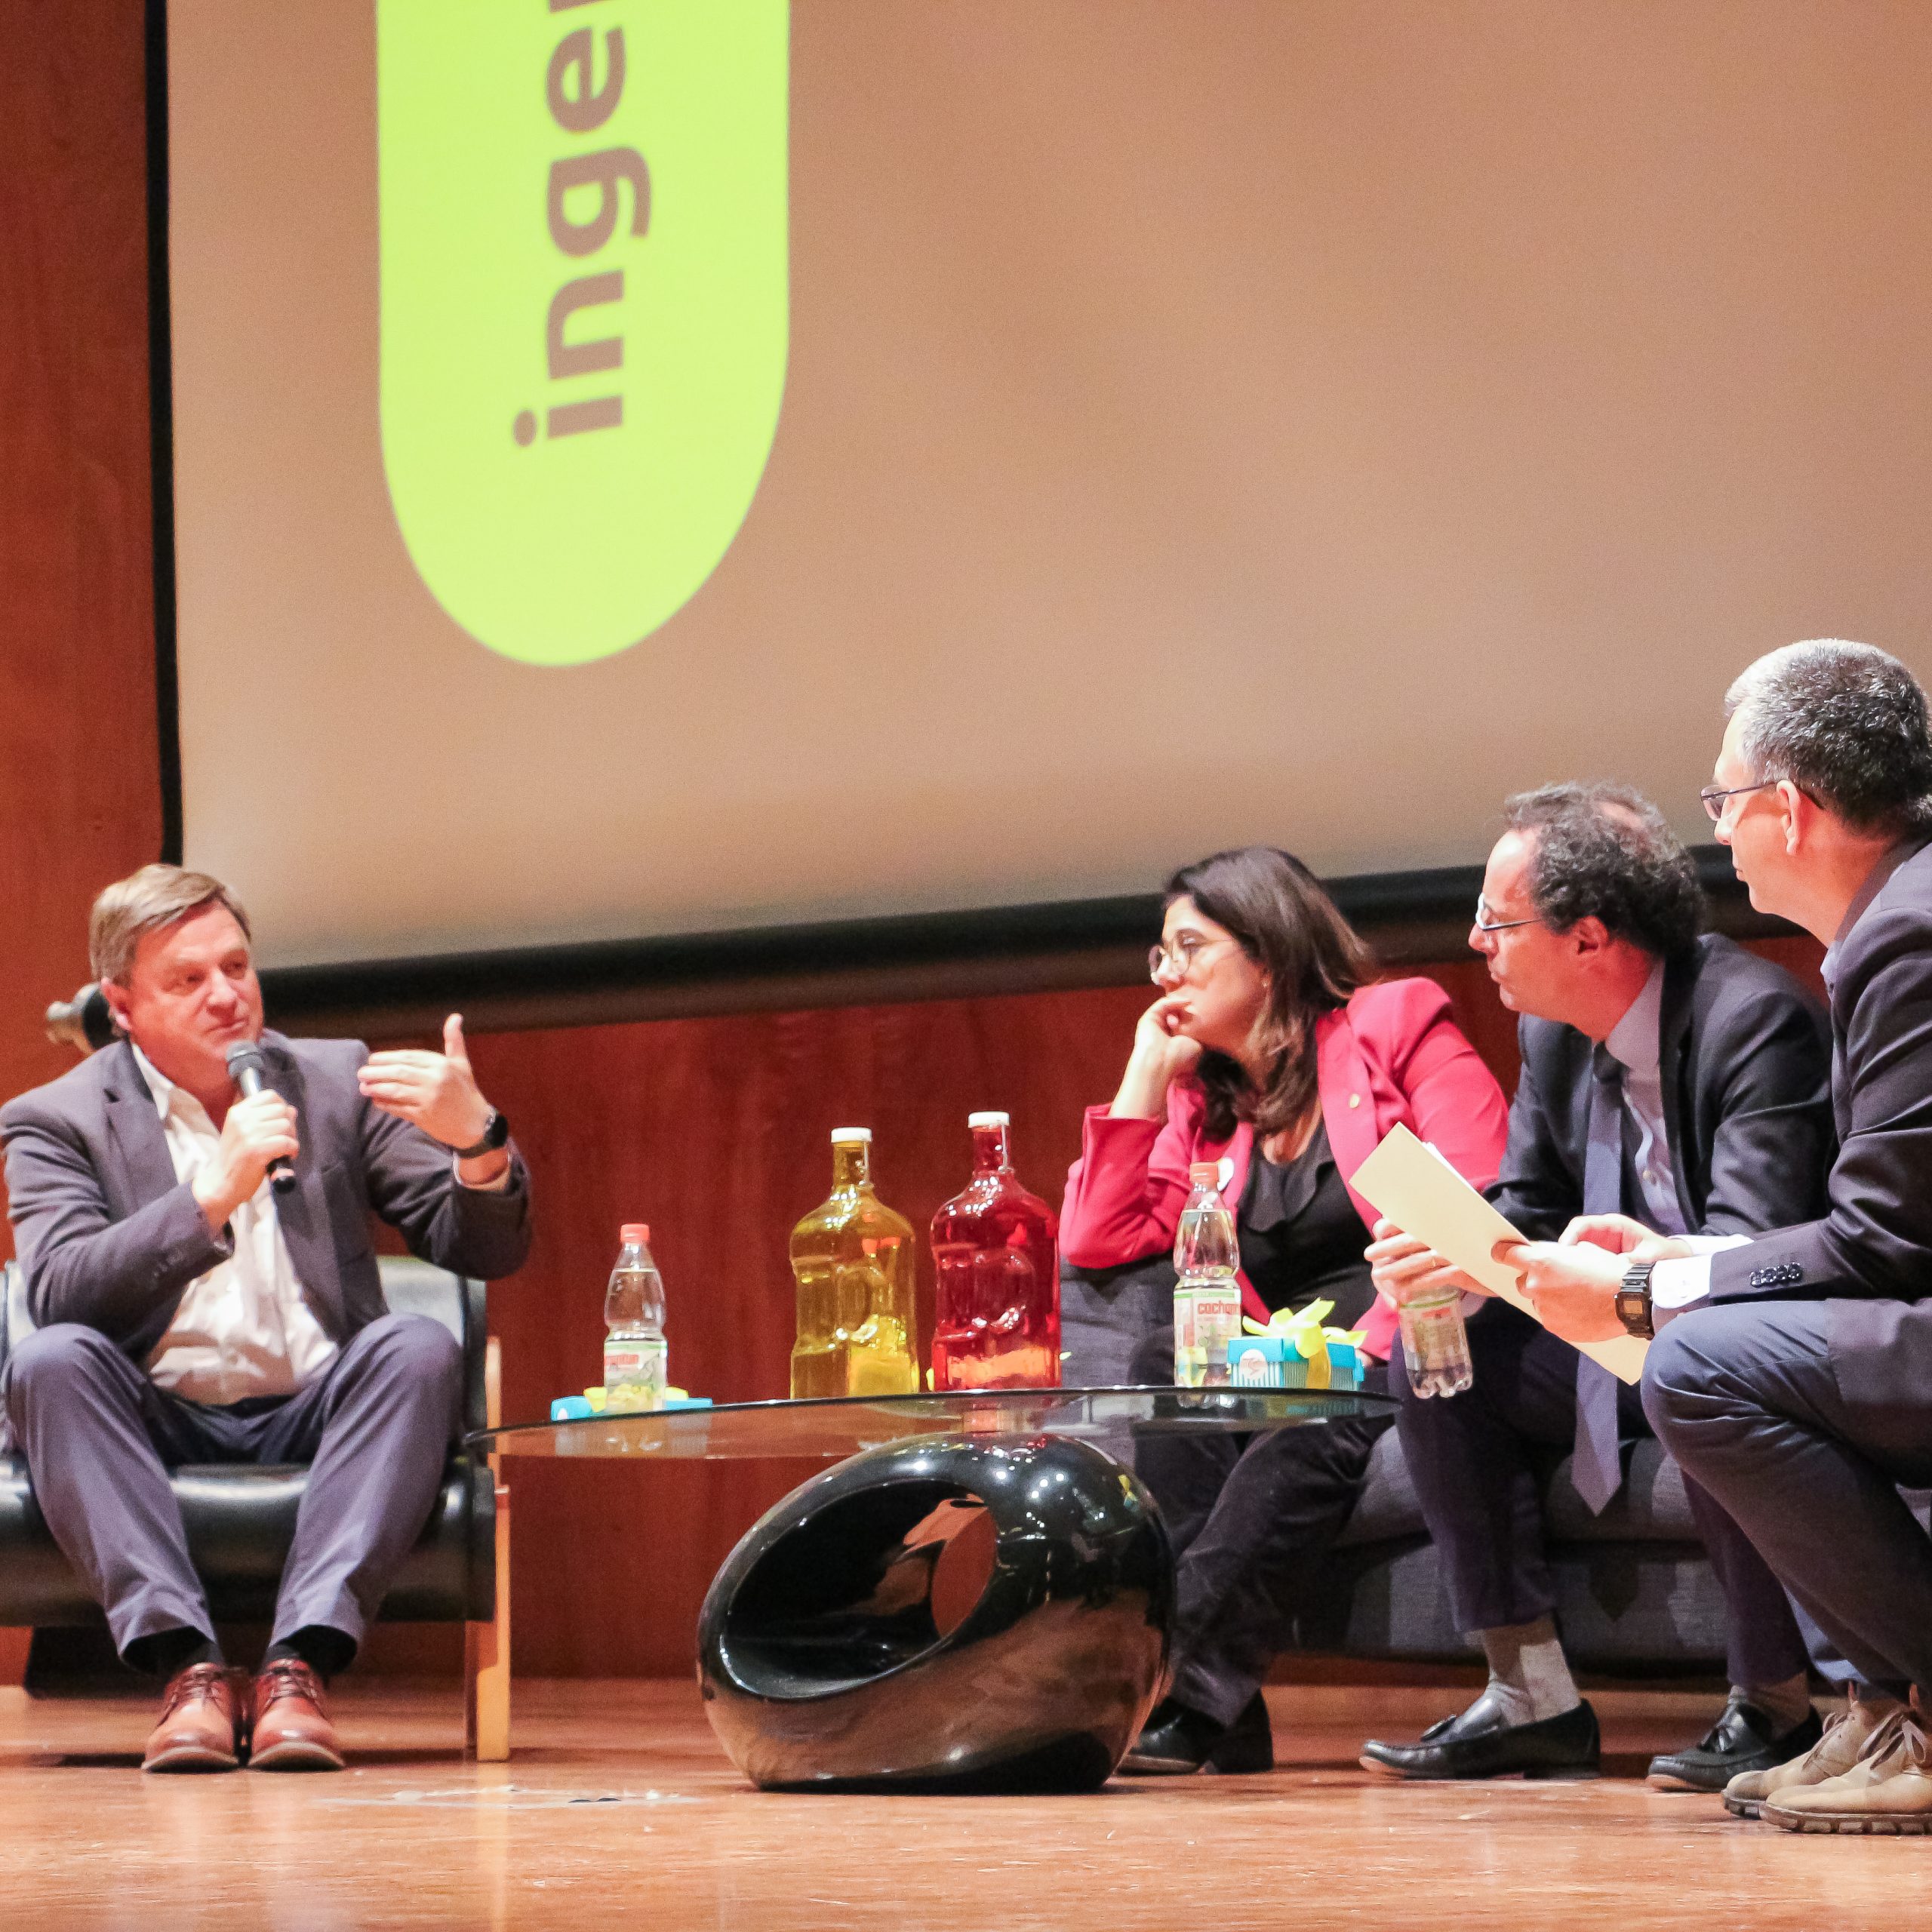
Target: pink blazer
x=1392, y=1053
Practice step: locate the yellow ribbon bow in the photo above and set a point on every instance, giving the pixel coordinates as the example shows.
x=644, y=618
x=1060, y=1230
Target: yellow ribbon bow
x=1303, y=1326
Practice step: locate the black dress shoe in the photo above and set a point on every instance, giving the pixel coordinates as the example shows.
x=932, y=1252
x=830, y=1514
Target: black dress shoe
x=1740, y=1740
x=1179, y=1740
x=1479, y=1744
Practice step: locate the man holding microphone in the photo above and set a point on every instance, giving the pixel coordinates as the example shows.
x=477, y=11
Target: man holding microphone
x=187, y=1310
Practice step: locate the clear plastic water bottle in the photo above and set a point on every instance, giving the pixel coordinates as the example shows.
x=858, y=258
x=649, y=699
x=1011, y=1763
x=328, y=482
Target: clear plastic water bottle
x=634, y=1351
x=1435, y=1345
x=1208, y=1296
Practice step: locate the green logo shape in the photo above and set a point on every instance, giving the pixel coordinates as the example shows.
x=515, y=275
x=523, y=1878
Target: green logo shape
x=584, y=302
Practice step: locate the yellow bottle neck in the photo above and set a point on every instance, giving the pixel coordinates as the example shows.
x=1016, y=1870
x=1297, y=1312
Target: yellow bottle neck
x=851, y=1166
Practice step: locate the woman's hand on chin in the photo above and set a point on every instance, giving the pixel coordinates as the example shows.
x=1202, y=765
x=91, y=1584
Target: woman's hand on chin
x=1161, y=1055
x=1159, y=1040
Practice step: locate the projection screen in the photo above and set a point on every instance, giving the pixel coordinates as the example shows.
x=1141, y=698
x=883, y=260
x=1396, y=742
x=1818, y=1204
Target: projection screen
x=645, y=468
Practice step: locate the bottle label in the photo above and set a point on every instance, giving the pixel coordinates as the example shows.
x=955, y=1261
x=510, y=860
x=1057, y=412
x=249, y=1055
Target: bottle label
x=634, y=1373
x=1207, y=1318
x=1433, y=1335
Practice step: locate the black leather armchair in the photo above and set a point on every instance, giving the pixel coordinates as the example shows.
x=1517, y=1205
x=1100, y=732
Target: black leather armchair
x=241, y=1520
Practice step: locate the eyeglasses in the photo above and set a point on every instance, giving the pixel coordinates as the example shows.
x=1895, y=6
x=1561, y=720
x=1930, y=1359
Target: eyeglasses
x=1178, y=960
x=1714, y=796
x=1484, y=923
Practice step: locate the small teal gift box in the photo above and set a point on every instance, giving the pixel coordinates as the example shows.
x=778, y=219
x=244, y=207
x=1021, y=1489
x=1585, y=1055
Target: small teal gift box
x=1293, y=1350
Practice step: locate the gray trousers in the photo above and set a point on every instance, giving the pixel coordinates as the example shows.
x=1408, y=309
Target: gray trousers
x=1747, y=1397
x=100, y=1438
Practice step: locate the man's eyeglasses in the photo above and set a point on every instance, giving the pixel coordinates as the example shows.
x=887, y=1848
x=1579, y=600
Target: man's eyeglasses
x=1484, y=923
x=1714, y=796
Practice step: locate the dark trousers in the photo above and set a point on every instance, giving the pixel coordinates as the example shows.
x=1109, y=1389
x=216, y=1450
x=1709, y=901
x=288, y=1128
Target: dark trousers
x=1474, y=1460
x=1249, y=1518
x=100, y=1438
x=1750, y=1399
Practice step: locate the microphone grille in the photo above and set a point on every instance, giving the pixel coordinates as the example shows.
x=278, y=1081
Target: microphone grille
x=244, y=1055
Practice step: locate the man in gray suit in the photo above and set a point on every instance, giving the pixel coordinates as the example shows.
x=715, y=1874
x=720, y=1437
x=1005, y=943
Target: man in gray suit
x=192, y=1307
x=1792, y=1373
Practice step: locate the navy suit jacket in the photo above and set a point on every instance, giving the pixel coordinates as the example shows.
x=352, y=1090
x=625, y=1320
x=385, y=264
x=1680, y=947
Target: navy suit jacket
x=1870, y=1252
x=108, y=1238
x=1745, y=1065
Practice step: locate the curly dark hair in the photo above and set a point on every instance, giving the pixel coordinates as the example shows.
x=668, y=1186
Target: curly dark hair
x=1314, y=959
x=1603, y=851
x=1846, y=723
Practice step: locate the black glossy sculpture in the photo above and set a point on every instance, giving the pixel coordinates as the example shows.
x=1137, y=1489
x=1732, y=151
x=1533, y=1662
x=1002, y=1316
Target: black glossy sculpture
x=822, y=1668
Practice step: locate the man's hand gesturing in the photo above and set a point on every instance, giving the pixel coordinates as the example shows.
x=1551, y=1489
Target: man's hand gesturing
x=437, y=1092
x=256, y=1131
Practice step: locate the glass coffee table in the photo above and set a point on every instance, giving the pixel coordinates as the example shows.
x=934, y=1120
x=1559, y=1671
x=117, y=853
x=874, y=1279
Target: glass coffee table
x=821, y=1663
x=845, y=1425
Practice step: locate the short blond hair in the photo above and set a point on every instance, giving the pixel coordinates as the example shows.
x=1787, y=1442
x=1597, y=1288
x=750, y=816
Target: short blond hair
x=146, y=902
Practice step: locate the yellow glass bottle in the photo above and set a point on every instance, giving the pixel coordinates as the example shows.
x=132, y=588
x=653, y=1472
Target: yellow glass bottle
x=854, y=1259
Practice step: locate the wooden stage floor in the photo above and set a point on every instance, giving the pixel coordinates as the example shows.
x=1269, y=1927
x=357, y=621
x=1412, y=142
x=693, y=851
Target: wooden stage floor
x=618, y=1809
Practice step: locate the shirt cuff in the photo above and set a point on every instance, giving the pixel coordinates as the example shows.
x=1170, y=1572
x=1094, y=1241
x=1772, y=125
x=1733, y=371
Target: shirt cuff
x=498, y=1186
x=1683, y=1281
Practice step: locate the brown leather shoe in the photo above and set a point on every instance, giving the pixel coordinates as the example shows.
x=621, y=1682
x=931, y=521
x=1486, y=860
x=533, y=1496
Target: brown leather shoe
x=200, y=1721
x=291, y=1732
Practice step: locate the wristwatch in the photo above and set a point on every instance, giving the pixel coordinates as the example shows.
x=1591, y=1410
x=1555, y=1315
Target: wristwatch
x=496, y=1131
x=1633, y=1300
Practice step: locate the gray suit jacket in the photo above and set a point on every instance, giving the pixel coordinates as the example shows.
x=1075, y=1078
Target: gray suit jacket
x=1869, y=1258
x=108, y=1238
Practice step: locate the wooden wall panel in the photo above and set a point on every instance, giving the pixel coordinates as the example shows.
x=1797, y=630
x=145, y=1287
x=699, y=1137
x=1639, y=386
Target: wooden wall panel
x=79, y=786
x=80, y=798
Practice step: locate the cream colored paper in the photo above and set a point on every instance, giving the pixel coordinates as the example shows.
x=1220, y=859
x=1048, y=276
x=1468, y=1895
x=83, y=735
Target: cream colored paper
x=1417, y=1189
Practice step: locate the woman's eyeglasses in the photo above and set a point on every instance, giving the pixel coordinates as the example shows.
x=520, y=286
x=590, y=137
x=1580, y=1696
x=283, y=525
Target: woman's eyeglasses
x=1177, y=962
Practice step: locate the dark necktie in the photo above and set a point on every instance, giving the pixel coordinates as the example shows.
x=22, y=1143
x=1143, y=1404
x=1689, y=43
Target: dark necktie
x=1596, y=1465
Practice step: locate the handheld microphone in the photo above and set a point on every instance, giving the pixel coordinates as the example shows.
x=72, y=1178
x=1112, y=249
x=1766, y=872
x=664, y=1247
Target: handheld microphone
x=246, y=1068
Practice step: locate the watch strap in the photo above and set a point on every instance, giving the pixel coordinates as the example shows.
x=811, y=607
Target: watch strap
x=496, y=1132
x=1634, y=1307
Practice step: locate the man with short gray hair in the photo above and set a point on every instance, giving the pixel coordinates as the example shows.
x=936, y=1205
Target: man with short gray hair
x=1792, y=1373
x=189, y=1308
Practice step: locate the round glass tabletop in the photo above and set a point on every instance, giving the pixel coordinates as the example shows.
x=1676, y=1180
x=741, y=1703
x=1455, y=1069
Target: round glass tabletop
x=842, y=1425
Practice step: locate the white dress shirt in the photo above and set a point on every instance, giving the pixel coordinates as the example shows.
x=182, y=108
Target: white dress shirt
x=243, y=1328
x=1636, y=1043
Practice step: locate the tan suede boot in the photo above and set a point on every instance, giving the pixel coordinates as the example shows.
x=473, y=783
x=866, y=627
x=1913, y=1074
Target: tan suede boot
x=1888, y=1793
x=1847, y=1733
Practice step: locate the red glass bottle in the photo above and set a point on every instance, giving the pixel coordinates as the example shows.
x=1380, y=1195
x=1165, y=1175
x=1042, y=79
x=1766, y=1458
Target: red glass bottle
x=997, y=1309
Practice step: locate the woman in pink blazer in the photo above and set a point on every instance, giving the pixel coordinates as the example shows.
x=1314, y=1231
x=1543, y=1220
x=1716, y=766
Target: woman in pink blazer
x=1274, y=1050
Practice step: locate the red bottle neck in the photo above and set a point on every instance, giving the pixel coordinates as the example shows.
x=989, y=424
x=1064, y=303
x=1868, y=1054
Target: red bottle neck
x=990, y=1151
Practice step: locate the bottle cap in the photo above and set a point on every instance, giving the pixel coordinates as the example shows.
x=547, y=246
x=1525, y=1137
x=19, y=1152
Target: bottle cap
x=635, y=1232
x=989, y=1120
x=851, y=1133
x=1203, y=1173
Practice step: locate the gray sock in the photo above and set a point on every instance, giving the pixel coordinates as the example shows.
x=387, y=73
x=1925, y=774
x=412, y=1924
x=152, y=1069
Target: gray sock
x=1527, y=1674
x=1788, y=1704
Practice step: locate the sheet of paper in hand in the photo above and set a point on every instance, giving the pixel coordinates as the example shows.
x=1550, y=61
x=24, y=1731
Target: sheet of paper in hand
x=1417, y=1189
